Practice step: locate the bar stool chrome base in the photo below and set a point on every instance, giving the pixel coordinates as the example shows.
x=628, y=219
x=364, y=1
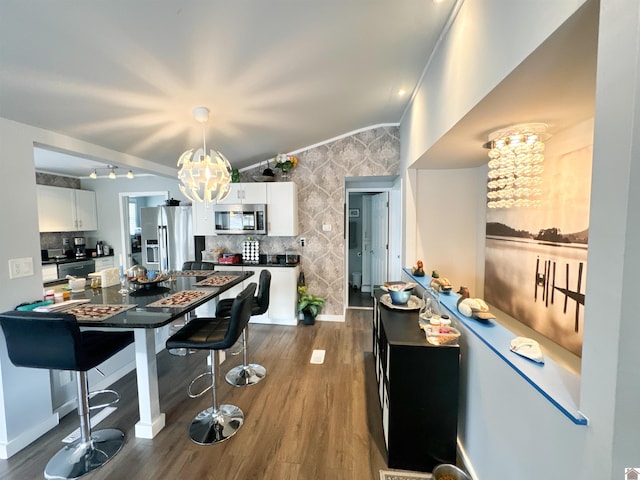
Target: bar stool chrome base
x=213, y=426
x=80, y=457
x=244, y=375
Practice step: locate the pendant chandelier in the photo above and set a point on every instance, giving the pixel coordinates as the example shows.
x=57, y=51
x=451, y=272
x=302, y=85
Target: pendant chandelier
x=205, y=177
x=515, y=167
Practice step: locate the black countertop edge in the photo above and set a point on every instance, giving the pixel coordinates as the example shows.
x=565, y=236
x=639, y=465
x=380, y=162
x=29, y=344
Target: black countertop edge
x=54, y=261
x=261, y=264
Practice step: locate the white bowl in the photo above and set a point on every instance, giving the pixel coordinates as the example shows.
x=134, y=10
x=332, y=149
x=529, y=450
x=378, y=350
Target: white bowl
x=78, y=284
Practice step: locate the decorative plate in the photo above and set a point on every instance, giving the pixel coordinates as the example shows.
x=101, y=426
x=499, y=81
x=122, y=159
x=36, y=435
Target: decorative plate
x=150, y=283
x=414, y=303
x=262, y=178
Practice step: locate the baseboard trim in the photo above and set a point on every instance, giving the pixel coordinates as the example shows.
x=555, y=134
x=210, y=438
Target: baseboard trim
x=331, y=318
x=29, y=436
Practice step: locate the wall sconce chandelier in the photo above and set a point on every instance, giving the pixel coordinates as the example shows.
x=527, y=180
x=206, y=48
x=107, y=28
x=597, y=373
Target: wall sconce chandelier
x=112, y=172
x=205, y=177
x=515, y=167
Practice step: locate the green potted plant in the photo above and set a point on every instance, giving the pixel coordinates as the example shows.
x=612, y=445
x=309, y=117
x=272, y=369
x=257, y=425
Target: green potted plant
x=309, y=305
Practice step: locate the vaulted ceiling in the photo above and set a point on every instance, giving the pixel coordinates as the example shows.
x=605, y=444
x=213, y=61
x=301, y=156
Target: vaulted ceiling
x=277, y=75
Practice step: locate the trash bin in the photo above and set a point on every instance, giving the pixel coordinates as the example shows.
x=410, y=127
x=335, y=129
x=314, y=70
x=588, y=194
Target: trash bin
x=356, y=279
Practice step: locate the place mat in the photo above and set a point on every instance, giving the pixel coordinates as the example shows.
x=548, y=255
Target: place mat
x=195, y=273
x=216, y=280
x=403, y=475
x=97, y=312
x=181, y=299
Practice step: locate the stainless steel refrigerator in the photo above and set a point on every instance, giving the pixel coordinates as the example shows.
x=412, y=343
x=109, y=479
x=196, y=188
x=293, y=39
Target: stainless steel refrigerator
x=167, y=237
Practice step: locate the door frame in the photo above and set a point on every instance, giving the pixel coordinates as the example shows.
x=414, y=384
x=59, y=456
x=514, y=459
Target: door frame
x=393, y=185
x=124, y=218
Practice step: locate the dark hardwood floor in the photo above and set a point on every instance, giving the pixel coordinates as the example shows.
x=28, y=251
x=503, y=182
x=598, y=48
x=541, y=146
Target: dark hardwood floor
x=302, y=422
x=358, y=299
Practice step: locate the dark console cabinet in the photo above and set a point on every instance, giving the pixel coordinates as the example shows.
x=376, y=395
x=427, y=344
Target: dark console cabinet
x=418, y=388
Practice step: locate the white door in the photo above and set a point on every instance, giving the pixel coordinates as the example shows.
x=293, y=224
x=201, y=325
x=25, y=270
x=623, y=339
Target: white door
x=366, y=244
x=379, y=237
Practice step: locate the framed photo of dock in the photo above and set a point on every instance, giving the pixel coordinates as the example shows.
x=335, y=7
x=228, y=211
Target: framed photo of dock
x=536, y=257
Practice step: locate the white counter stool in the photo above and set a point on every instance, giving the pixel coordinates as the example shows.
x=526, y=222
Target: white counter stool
x=217, y=423
x=54, y=341
x=248, y=373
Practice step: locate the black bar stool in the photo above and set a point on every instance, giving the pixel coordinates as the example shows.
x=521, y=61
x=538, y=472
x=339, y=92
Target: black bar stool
x=216, y=423
x=193, y=265
x=174, y=327
x=54, y=341
x=248, y=373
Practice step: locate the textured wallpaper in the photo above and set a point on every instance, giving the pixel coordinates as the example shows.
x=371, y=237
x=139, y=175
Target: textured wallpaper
x=320, y=178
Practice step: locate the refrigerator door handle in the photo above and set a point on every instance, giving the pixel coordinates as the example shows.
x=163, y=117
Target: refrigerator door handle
x=161, y=247
x=164, y=258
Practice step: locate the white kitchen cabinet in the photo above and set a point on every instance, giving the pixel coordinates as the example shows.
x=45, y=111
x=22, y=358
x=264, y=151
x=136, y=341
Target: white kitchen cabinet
x=283, y=295
x=49, y=273
x=85, y=210
x=282, y=209
x=102, y=263
x=66, y=209
x=246, y=193
x=203, y=218
x=55, y=209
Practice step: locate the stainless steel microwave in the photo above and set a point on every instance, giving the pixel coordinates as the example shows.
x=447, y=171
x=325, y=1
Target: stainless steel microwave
x=240, y=219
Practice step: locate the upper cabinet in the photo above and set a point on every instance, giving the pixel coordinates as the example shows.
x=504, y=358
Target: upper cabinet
x=282, y=209
x=246, y=193
x=85, y=210
x=281, y=199
x=66, y=209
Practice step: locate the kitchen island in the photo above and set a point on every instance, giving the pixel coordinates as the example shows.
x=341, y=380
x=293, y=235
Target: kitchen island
x=145, y=311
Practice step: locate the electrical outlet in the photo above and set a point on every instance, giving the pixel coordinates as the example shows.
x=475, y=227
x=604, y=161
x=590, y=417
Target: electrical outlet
x=20, y=267
x=326, y=227
x=302, y=241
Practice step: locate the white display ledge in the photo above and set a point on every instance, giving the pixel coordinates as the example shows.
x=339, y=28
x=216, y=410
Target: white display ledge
x=555, y=383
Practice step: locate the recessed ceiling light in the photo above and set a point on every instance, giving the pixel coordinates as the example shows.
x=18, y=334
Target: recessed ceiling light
x=402, y=92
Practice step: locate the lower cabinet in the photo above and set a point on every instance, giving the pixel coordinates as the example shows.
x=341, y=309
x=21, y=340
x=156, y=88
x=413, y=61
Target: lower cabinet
x=418, y=387
x=283, y=294
x=49, y=273
x=102, y=263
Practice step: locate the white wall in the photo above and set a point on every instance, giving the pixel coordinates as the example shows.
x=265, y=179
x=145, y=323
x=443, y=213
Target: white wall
x=108, y=201
x=448, y=234
x=25, y=398
x=499, y=408
x=25, y=395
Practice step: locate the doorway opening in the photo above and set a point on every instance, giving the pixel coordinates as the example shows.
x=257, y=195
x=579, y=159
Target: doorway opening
x=372, y=236
x=131, y=226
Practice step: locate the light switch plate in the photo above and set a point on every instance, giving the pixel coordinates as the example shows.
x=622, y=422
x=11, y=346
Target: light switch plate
x=20, y=267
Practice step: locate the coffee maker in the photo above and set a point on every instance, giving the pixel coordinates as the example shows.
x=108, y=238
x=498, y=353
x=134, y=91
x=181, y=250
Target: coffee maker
x=80, y=247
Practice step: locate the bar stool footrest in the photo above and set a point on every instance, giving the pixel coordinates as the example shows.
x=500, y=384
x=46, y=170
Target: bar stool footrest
x=104, y=392
x=199, y=394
